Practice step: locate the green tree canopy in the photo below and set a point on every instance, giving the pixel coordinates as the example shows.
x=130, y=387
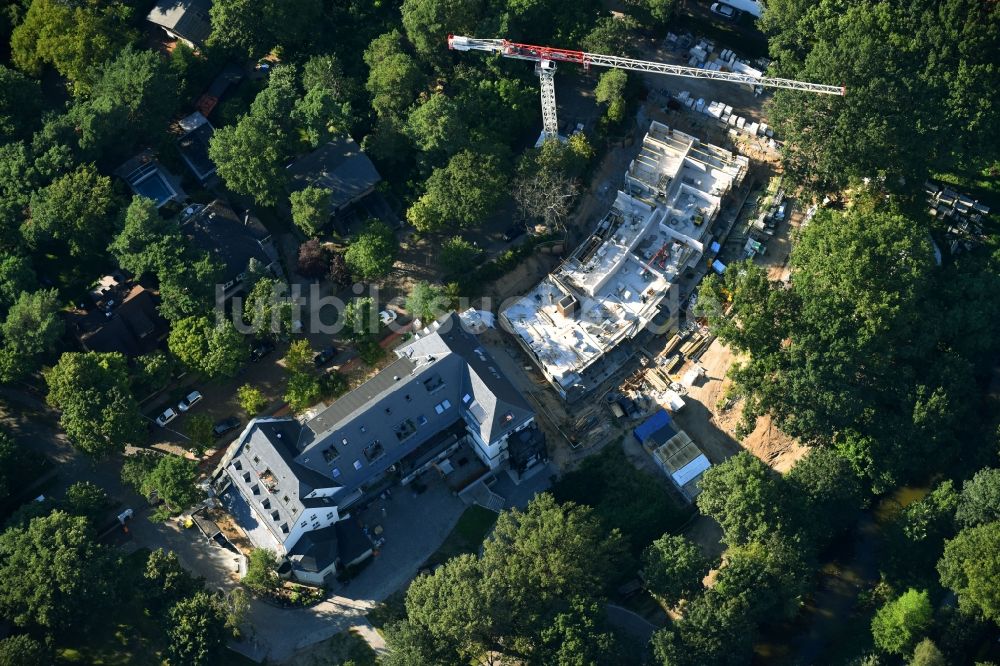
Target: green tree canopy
x=55, y=576
x=173, y=480
x=458, y=256
x=914, y=541
x=770, y=579
x=979, y=502
x=437, y=126
x=20, y=104
x=927, y=654
x=971, y=568
x=747, y=499
x=72, y=38
x=23, y=650
x=197, y=630
x=98, y=411
x=713, y=630
x=31, y=331
x=165, y=581
x=673, y=568
x=900, y=623
x=462, y=194
x=213, y=349
x=76, y=212
x=394, y=78
x=251, y=399
x=426, y=301
x=310, y=209
x=372, y=254
x=238, y=27
x=16, y=277
x=262, y=571
x=832, y=491
x=429, y=22
x=87, y=500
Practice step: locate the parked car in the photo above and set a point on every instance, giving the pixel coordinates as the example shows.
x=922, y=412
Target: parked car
x=166, y=417
x=226, y=425
x=514, y=232
x=260, y=350
x=724, y=10
x=189, y=401
x=387, y=317
x=780, y=213
x=324, y=356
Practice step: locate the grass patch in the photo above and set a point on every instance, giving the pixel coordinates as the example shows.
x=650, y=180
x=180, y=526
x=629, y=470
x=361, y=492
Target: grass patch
x=467, y=536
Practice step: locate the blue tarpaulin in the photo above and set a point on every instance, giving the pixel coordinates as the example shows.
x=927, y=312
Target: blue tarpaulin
x=652, y=424
x=718, y=267
x=715, y=247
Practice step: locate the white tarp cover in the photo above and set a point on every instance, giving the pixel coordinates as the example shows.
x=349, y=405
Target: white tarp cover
x=691, y=470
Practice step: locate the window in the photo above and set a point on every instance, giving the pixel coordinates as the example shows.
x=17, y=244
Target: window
x=304, y=523
x=246, y=476
x=238, y=465
x=446, y=404
x=422, y=420
x=466, y=398
x=364, y=428
x=315, y=525
x=285, y=499
x=335, y=472
x=433, y=383
x=256, y=460
x=284, y=528
x=266, y=504
x=405, y=429
x=275, y=515
x=329, y=515
x=357, y=464
x=439, y=408
x=344, y=441
x=255, y=489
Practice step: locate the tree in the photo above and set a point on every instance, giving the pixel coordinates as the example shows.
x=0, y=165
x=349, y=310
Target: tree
x=236, y=604
x=30, y=332
x=310, y=209
x=71, y=38
x=361, y=319
x=532, y=593
x=23, y=650
x=98, y=412
x=197, y=630
x=673, y=568
x=55, y=576
x=215, y=350
x=248, y=159
x=611, y=36
x=832, y=490
x=20, y=104
x=393, y=78
x=237, y=27
x=770, y=579
x=313, y=262
x=267, y=310
x=188, y=288
x=262, y=572
x=339, y=274
x=75, y=211
x=746, y=498
x=147, y=244
x=173, y=481
x=428, y=23
x=971, y=568
x=18, y=465
x=304, y=388
x=914, y=541
x=151, y=373
x=437, y=126
x=611, y=86
x=320, y=114
x=200, y=430
x=137, y=467
x=458, y=256
x=900, y=623
x=87, y=500
x=426, y=302
x=979, y=502
x=927, y=654
x=251, y=399
x=713, y=630
x=165, y=581
x=372, y=254
x=462, y=194
x=16, y=277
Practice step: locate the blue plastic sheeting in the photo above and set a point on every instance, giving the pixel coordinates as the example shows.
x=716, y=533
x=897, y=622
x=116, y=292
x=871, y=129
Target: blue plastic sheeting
x=652, y=424
x=662, y=436
x=718, y=267
x=715, y=247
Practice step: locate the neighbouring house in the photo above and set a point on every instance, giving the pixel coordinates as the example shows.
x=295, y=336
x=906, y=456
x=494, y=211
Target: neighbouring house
x=230, y=75
x=148, y=178
x=193, y=145
x=292, y=485
x=122, y=317
x=186, y=20
x=231, y=240
x=340, y=167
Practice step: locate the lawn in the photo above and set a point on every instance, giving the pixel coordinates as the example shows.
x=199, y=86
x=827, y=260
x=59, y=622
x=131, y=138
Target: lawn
x=467, y=537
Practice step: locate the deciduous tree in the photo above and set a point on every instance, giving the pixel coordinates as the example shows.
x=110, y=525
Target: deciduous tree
x=673, y=568
x=746, y=498
x=372, y=254
x=97, y=409
x=900, y=623
x=197, y=630
x=310, y=209
x=462, y=194
x=979, y=502
x=213, y=349
x=971, y=568
x=31, y=331
x=313, y=261
x=426, y=302
x=262, y=571
x=251, y=399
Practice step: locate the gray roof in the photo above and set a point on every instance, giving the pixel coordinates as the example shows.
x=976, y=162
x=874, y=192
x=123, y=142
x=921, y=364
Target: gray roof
x=439, y=379
x=230, y=240
x=187, y=18
x=273, y=484
x=318, y=549
x=340, y=167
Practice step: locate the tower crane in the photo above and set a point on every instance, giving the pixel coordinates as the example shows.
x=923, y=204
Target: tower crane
x=546, y=57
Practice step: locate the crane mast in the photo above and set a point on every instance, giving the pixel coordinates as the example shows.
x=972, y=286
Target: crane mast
x=546, y=58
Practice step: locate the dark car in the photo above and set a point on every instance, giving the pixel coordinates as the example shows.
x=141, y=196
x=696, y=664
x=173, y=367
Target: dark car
x=260, y=350
x=227, y=425
x=514, y=232
x=324, y=356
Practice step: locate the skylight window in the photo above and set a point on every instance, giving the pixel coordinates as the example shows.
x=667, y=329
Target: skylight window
x=357, y=464
x=335, y=472
x=466, y=398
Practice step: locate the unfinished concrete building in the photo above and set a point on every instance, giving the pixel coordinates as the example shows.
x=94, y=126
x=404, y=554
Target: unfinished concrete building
x=623, y=280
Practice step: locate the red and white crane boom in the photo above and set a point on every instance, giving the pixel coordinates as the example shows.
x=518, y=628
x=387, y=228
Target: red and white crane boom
x=546, y=58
